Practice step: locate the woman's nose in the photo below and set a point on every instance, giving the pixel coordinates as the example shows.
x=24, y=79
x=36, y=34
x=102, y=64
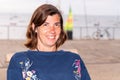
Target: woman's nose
x=52, y=29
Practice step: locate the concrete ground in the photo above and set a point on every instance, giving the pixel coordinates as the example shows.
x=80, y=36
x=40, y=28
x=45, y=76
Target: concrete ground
x=102, y=57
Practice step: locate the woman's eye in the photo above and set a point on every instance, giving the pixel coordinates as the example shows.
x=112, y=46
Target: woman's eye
x=57, y=24
x=45, y=24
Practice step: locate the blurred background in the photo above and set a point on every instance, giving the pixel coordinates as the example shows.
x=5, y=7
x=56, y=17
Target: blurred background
x=93, y=28
x=91, y=19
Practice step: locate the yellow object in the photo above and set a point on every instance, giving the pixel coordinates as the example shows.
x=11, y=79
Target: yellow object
x=69, y=22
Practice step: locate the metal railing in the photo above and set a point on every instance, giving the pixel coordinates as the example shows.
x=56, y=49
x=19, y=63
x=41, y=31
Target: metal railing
x=18, y=32
x=101, y=33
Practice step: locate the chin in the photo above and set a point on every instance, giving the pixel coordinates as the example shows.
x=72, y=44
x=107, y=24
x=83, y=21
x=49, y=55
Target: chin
x=52, y=43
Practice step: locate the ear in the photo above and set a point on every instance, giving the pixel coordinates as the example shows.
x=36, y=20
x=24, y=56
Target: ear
x=33, y=27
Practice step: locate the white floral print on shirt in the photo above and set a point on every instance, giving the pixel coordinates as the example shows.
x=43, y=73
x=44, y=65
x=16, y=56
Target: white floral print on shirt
x=28, y=74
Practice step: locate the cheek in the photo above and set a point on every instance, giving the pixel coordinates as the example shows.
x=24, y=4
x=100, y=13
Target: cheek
x=58, y=31
x=41, y=31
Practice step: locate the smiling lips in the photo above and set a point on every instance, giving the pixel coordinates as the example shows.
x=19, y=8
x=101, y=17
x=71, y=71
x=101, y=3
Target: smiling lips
x=51, y=37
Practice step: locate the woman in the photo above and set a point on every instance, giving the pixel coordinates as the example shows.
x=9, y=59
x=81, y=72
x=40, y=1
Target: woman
x=43, y=61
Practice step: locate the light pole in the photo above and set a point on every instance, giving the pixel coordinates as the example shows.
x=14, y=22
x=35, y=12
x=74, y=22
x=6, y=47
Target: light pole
x=86, y=20
x=46, y=1
x=58, y=4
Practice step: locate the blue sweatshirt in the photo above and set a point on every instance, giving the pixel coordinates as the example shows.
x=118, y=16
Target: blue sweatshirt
x=38, y=65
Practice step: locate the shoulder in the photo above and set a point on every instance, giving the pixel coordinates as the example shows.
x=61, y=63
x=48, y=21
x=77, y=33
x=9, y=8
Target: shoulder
x=71, y=54
x=19, y=56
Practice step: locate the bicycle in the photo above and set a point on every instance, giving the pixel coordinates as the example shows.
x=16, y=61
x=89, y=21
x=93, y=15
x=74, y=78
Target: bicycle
x=101, y=34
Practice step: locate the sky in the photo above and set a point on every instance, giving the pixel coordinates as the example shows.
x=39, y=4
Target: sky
x=89, y=7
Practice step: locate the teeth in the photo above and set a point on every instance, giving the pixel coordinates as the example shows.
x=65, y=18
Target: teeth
x=51, y=37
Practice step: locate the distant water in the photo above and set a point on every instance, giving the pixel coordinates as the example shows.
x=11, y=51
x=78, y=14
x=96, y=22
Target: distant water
x=83, y=24
x=79, y=20
x=14, y=19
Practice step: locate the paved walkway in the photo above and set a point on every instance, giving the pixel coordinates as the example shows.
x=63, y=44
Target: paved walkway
x=102, y=58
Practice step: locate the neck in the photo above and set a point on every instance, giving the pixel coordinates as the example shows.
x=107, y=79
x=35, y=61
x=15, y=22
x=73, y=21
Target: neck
x=46, y=49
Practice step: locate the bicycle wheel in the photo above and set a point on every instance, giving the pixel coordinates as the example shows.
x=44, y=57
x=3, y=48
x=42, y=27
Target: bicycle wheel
x=95, y=35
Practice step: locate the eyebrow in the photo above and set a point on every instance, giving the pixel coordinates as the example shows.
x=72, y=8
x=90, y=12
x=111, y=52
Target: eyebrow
x=54, y=23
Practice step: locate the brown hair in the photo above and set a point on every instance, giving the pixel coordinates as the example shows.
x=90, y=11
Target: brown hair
x=38, y=18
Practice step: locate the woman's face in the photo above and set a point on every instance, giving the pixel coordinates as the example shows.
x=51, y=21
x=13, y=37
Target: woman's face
x=49, y=32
